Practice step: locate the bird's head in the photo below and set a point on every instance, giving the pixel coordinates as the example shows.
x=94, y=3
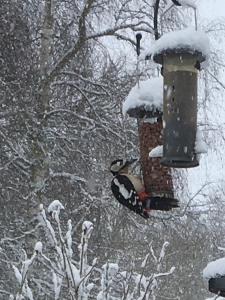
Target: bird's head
x=119, y=165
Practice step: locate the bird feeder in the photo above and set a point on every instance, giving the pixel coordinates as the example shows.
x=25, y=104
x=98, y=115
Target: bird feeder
x=180, y=107
x=157, y=178
x=217, y=286
x=214, y=272
x=180, y=60
x=144, y=103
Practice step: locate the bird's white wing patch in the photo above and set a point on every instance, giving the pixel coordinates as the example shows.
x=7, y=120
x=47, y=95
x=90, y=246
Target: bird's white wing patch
x=123, y=191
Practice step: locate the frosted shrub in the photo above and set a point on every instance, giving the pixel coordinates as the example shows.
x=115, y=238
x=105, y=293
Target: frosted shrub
x=77, y=279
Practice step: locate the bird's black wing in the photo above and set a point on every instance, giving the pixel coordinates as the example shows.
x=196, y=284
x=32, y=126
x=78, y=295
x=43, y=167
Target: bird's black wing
x=124, y=191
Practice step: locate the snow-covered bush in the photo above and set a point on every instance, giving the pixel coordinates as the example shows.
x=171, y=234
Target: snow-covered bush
x=76, y=278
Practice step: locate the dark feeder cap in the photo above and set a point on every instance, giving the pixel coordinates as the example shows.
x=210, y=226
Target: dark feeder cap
x=180, y=162
x=141, y=112
x=158, y=58
x=217, y=286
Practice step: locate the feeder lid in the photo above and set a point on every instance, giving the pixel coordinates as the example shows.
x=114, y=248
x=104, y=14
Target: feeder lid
x=158, y=58
x=143, y=112
x=145, y=99
x=182, y=41
x=180, y=162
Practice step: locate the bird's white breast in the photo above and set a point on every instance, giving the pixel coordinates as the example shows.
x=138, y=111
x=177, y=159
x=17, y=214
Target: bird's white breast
x=136, y=181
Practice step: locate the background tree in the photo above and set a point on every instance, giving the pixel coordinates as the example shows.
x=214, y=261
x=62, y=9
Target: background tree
x=62, y=87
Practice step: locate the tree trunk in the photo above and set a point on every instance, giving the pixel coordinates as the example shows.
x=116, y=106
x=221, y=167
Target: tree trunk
x=40, y=168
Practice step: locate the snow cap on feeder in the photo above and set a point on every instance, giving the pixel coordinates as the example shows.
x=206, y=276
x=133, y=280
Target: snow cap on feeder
x=180, y=53
x=215, y=273
x=187, y=40
x=145, y=99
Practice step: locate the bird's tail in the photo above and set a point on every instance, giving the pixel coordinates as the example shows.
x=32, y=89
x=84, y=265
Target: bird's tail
x=162, y=203
x=157, y=202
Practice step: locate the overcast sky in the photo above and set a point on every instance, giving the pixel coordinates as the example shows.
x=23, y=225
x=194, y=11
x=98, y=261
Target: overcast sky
x=211, y=8
x=212, y=165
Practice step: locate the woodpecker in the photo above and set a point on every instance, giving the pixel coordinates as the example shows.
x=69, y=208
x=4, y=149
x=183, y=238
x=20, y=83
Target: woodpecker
x=129, y=190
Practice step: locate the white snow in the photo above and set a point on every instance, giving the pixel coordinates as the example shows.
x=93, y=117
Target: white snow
x=26, y=265
x=215, y=269
x=38, y=247
x=45, y=222
x=69, y=238
x=215, y=298
x=55, y=206
x=156, y=152
x=111, y=269
x=143, y=264
x=57, y=283
x=87, y=227
x=148, y=93
x=163, y=250
x=187, y=38
x=17, y=274
x=200, y=145
x=73, y=273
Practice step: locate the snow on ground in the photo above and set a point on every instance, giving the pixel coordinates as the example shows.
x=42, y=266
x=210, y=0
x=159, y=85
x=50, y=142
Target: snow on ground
x=147, y=94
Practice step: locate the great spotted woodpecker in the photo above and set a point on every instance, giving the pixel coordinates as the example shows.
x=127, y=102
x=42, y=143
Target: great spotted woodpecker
x=129, y=190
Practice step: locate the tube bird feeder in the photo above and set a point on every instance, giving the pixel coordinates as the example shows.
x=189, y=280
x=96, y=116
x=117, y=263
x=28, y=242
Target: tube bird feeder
x=144, y=103
x=180, y=54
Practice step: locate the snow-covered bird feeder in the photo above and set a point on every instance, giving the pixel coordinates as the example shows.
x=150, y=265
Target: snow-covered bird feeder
x=215, y=274
x=180, y=53
x=145, y=99
x=145, y=103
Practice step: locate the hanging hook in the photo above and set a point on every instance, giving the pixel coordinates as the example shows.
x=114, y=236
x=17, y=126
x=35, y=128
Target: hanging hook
x=138, y=50
x=138, y=44
x=155, y=19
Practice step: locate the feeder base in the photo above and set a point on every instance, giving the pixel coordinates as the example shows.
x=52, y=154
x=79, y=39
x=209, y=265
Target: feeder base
x=217, y=286
x=179, y=162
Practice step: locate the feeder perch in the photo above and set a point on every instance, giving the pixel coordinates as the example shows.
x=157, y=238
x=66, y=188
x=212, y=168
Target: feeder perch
x=144, y=103
x=217, y=286
x=180, y=54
